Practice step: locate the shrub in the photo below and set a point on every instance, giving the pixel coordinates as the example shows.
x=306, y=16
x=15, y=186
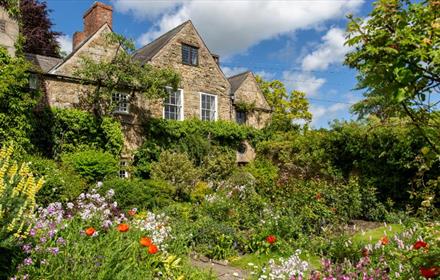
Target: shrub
x=92, y=165
x=178, y=170
x=69, y=130
x=265, y=174
x=219, y=164
x=61, y=182
x=18, y=188
x=138, y=193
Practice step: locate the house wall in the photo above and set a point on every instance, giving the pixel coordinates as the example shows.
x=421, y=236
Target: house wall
x=206, y=77
x=249, y=92
x=8, y=31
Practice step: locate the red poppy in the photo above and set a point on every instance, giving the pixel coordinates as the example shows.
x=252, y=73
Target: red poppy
x=131, y=212
x=420, y=244
x=146, y=242
x=384, y=240
x=152, y=249
x=430, y=272
x=271, y=239
x=90, y=231
x=123, y=227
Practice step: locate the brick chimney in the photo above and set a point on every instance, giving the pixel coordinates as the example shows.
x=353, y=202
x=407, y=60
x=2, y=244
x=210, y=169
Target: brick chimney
x=93, y=19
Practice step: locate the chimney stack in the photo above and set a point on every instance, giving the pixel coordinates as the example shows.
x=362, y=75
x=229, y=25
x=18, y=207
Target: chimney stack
x=94, y=18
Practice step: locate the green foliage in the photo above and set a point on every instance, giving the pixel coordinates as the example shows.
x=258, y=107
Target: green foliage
x=219, y=164
x=265, y=174
x=194, y=137
x=394, y=52
x=241, y=106
x=398, y=63
x=124, y=73
x=286, y=107
x=92, y=165
x=16, y=100
x=141, y=194
x=62, y=184
x=178, y=170
x=67, y=130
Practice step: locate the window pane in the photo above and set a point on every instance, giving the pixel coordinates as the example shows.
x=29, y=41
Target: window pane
x=241, y=117
x=173, y=105
x=194, y=56
x=208, y=110
x=186, y=54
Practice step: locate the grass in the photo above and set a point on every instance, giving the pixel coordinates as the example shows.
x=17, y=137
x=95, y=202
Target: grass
x=374, y=235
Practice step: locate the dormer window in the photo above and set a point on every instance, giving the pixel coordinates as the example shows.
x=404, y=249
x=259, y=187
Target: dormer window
x=190, y=55
x=121, y=103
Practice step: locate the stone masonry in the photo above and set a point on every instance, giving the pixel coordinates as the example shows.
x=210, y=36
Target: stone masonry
x=8, y=31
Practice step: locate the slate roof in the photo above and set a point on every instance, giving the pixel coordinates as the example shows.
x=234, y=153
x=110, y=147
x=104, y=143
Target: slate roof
x=148, y=51
x=42, y=63
x=237, y=80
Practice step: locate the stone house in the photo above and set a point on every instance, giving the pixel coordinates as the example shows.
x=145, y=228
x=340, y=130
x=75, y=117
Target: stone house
x=204, y=92
x=8, y=31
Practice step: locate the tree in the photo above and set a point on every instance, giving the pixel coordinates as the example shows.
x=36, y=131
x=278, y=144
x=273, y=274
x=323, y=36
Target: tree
x=16, y=100
x=122, y=72
x=36, y=27
x=396, y=53
x=287, y=108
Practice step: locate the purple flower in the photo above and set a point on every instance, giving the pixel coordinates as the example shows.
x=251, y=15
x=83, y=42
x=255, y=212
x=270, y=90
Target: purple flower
x=28, y=261
x=27, y=248
x=61, y=241
x=53, y=250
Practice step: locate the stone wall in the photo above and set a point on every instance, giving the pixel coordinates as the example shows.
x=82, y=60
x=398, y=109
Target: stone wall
x=250, y=93
x=206, y=77
x=8, y=31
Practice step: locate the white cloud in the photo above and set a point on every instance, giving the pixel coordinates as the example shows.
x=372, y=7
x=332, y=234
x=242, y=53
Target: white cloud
x=65, y=42
x=268, y=76
x=231, y=71
x=231, y=27
x=303, y=82
x=331, y=51
x=327, y=112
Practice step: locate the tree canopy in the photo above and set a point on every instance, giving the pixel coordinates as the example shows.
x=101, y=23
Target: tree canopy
x=287, y=107
x=396, y=53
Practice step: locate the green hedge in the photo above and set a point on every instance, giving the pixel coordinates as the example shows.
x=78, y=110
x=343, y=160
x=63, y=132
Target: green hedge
x=60, y=131
x=137, y=193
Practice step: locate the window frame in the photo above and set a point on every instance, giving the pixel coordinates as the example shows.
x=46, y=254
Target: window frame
x=34, y=82
x=118, y=106
x=182, y=105
x=215, y=106
x=123, y=172
x=191, y=52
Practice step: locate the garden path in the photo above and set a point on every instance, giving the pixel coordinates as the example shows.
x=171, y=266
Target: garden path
x=222, y=270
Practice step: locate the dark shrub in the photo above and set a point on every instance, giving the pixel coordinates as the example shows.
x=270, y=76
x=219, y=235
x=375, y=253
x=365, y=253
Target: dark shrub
x=138, y=193
x=61, y=182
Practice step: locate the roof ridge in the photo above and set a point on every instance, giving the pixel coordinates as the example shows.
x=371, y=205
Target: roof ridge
x=161, y=36
x=239, y=74
x=74, y=51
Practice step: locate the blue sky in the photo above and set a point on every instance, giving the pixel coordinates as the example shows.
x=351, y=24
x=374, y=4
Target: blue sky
x=297, y=41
